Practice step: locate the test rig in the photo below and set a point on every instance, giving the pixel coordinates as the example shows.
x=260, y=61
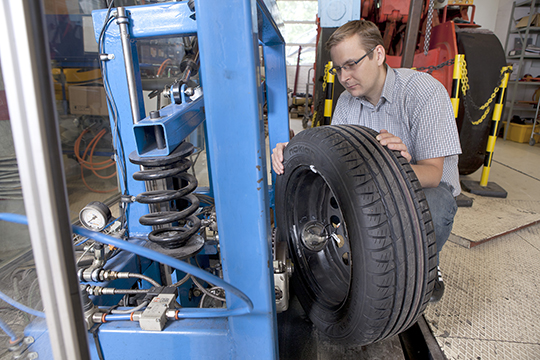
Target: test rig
x=169, y=227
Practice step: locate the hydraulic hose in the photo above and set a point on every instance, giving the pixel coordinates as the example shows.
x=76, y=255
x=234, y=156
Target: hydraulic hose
x=206, y=292
x=144, y=277
x=130, y=291
x=112, y=317
x=129, y=311
x=167, y=260
x=98, y=291
x=8, y=331
x=182, y=281
x=186, y=313
x=20, y=306
x=90, y=164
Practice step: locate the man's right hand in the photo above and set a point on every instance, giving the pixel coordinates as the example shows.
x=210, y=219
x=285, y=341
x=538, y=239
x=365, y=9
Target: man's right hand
x=277, y=158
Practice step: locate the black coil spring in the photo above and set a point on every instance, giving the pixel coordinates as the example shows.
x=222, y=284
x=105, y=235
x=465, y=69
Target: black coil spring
x=173, y=169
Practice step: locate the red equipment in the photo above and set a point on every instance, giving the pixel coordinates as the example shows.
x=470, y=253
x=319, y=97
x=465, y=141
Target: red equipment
x=392, y=17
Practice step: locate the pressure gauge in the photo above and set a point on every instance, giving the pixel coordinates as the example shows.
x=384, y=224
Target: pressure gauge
x=95, y=216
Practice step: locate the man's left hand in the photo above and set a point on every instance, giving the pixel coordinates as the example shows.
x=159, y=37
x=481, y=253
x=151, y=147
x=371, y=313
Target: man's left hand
x=428, y=171
x=393, y=143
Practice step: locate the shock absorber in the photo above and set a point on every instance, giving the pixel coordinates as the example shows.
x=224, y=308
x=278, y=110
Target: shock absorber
x=171, y=202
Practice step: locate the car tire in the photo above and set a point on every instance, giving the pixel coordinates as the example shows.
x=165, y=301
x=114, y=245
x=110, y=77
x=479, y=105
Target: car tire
x=359, y=233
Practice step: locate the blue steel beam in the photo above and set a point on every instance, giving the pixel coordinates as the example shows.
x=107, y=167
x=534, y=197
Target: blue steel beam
x=278, y=110
x=275, y=78
x=181, y=339
x=228, y=44
x=176, y=121
x=156, y=20
x=275, y=81
x=269, y=33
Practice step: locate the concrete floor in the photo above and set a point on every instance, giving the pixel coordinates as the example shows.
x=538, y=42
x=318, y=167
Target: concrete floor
x=490, y=309
x=515, y=169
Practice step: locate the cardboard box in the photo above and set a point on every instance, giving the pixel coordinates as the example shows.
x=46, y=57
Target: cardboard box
x=61, y=7
x=87, y=100
x=520, y=133
x=525, y=20
x=74, y=76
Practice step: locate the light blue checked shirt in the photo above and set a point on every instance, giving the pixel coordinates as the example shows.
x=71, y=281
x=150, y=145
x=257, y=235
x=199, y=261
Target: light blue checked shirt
x=415, y=107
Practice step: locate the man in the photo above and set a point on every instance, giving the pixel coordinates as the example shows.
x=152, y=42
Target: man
x=411, y=111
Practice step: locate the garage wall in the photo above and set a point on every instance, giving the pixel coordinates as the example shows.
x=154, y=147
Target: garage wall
x=503, y=18
x=486, y=13
x=494, y=15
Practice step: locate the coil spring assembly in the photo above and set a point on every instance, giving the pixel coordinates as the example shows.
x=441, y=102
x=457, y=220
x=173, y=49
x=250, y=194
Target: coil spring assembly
x=169, y=188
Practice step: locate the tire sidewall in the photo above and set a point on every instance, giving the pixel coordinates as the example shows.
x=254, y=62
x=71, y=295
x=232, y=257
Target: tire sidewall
x=321, y=155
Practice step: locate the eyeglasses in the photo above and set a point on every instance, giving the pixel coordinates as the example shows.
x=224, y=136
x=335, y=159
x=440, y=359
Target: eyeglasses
x=336, y=70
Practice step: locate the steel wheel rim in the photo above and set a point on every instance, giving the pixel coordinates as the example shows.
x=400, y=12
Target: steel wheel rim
x=326, y=268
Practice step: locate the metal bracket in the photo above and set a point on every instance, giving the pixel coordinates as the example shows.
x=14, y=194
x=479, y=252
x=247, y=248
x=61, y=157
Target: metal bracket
x=19, y=349
x=283, y=269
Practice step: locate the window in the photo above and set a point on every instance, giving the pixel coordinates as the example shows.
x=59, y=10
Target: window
x=299, y=17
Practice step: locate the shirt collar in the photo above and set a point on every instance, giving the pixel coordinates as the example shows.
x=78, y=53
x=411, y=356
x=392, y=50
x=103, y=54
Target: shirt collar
x=389, y=82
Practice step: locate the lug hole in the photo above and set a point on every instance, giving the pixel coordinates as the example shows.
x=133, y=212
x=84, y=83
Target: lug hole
x=335, y=221
x=345, y=258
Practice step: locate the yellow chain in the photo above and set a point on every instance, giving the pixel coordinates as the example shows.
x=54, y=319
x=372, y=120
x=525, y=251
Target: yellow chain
x=465, y=87
x=327, y=68
x=314, y=118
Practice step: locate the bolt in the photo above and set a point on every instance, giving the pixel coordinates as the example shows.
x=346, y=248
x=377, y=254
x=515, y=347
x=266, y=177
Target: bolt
x=279, y=293
x=340, y=241
x=290, y=267
x=154, y=114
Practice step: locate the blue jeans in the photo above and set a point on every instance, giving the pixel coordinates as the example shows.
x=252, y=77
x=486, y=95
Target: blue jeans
x=443, y=207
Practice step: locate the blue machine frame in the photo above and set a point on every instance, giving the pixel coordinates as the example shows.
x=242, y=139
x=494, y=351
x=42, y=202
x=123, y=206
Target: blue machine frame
x=229, y=34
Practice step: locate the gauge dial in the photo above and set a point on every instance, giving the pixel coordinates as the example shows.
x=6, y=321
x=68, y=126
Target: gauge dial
x=95, y=216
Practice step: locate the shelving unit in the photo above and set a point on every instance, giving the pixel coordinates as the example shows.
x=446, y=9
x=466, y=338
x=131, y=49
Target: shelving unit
x=523, y=61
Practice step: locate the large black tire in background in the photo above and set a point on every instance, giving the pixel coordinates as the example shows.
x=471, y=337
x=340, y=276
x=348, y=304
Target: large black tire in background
x=360, y=233
x=484, y=55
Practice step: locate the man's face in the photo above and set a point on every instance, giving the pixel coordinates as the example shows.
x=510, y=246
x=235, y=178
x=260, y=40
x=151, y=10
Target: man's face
x=366, y=78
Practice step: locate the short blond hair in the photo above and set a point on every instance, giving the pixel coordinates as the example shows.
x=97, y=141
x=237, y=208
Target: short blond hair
x=369, y=33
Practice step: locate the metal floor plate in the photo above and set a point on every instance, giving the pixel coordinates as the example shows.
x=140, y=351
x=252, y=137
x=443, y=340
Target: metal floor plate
x=489, y=218
x=491, y=307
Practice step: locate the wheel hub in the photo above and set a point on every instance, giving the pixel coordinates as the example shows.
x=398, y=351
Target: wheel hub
x=314, y=236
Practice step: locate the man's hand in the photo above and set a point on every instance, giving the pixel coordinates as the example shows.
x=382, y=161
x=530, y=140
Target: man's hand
x=393, y=143
x=277, y=158
x=428, y=171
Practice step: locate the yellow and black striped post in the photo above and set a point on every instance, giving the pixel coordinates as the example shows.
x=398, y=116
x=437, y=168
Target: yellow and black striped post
x=497, y=112
x=329, y=94
x=484, y=188
x=456, y=80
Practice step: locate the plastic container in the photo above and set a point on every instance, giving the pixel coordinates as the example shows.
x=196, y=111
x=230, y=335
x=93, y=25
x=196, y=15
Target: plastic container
x=520, y=133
